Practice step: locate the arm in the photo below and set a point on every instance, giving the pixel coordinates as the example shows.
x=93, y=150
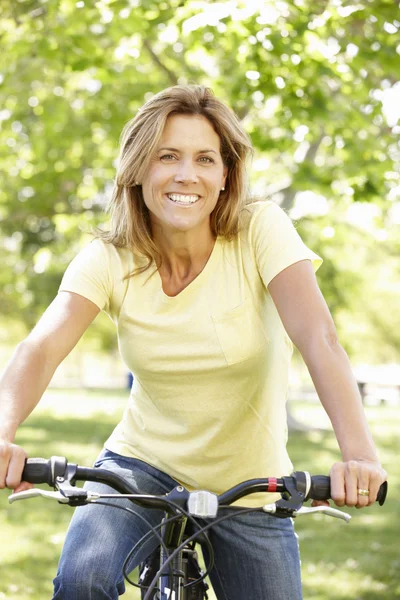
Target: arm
x=30, y=370
x=309, y=324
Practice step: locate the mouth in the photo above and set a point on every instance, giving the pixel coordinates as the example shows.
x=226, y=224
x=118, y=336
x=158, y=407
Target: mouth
x=183, y=199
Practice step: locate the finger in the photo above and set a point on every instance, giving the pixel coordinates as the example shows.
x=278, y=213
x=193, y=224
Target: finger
x=5, y=453
x=375, y=481
x=363, y=486
x=320, y=503
x=351, y=482
x=23, y=486
x=15, y=467
x=338, y=484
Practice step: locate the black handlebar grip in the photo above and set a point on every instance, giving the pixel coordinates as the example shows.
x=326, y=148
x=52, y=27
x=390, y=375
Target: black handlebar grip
x=321, y=489
x=382, y=493
x=40, y=470
x=37, y=470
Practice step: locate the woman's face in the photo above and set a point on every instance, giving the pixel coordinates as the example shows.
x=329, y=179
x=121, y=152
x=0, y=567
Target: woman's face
x=185, y=177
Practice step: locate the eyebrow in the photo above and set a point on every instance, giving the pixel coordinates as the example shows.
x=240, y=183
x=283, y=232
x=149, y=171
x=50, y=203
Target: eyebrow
x=177, y=150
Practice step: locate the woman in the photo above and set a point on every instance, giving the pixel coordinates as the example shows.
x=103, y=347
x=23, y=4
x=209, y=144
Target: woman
x=207, y=292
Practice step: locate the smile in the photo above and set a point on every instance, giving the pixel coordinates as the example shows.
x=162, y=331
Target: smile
x=185, y=199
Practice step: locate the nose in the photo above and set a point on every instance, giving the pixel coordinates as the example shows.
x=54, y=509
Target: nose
x=185, y=172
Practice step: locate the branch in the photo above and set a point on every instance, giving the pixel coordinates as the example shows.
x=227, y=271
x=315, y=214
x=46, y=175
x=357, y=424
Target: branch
x=290, y=191
x=289, y=194
x=171, y=76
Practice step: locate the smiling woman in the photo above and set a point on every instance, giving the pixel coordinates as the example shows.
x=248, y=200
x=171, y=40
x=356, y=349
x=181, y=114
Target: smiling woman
x=188, y=177
x=208, y=291
x=197, y=145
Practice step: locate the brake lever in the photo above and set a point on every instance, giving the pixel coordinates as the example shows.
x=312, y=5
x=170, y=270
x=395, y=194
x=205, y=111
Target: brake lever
x=274, y=509
x=72, y=496
x=326, y=510
x=34, y=493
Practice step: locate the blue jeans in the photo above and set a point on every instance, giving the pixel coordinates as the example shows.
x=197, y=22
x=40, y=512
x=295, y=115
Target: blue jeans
x=256, y=555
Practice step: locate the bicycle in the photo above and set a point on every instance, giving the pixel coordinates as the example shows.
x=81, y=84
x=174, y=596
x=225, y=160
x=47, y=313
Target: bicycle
x=173, y=573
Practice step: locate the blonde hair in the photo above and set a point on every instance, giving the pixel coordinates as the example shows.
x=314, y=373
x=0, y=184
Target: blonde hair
x=130, y=220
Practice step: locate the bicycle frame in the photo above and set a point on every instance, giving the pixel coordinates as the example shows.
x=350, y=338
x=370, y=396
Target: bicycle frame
x=172, y=586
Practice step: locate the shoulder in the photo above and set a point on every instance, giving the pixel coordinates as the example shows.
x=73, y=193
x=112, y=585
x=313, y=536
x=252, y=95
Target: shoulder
x=263, y=215
x=254, y=210
x=105, y=255
x=98, y=272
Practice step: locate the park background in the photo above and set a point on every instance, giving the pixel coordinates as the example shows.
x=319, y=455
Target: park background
x=316, y=85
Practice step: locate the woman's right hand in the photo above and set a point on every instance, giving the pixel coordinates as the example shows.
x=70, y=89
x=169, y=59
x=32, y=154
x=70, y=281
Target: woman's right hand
x=12, y=462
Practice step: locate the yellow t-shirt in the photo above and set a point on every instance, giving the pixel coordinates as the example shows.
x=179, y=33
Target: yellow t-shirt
x=210, y=365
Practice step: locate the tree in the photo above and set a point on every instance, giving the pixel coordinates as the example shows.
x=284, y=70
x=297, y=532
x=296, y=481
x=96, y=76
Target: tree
x=310, y=81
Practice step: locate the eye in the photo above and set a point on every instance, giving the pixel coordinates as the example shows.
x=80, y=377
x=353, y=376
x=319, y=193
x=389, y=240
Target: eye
x=206, y=159
x=167, y=157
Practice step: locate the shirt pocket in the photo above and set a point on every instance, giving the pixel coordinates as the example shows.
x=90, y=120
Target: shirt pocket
x=240, y=332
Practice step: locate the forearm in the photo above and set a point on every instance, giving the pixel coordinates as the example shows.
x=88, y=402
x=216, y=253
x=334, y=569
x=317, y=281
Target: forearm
x=22, y=384
x=330, y=369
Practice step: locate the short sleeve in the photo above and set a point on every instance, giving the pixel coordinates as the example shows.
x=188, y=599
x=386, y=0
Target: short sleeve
x=89, y=275
x=276, y=243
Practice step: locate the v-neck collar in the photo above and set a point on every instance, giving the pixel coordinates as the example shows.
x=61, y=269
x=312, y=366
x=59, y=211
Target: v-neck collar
x=197, y=281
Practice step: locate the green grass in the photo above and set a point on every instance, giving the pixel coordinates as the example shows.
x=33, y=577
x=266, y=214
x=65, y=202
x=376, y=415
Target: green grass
x=359, y=561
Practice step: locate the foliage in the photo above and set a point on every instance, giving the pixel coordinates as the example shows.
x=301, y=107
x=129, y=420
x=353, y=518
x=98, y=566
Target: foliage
x=310, y=81
x=360, y=280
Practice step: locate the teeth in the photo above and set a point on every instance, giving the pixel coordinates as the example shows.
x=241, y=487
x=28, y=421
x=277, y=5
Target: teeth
x=183, y=199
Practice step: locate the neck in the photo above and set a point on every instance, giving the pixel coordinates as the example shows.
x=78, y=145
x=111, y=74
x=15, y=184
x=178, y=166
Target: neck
x=184, y=254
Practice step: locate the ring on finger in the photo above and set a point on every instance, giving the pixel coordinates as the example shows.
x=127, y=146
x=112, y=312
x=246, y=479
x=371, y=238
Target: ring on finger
x=362, y=492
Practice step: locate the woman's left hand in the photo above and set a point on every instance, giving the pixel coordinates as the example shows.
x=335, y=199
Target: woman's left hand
x=355, y=483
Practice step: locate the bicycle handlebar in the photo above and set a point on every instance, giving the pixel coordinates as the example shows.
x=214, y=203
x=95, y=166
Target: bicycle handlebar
x=57, y=469
x=181, y=503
